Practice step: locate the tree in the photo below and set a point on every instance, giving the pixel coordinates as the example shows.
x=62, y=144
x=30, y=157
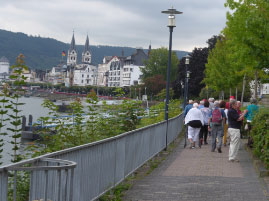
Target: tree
x=155, y=84
x=196, y=67
x=158, y=62
x=247, y=31
x=220, y=66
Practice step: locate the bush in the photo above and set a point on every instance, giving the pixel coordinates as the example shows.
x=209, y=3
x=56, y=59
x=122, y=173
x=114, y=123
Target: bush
x=260, y=135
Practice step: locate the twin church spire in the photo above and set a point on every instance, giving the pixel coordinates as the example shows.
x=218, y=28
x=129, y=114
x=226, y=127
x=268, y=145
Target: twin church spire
x=72, y=53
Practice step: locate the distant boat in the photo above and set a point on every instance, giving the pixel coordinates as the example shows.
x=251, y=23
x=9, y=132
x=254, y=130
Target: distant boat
x=27, y=95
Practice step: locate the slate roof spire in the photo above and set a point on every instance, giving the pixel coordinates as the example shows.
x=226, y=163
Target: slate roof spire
x=149, y=51
x=73, y=44
x=87, y=45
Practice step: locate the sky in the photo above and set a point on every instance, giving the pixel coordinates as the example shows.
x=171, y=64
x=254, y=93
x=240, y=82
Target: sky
x=131, y=23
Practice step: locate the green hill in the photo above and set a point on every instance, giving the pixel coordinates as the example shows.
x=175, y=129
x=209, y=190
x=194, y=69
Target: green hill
x=44, y=53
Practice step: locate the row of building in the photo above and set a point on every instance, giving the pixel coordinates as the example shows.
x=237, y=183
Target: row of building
x=115, y=71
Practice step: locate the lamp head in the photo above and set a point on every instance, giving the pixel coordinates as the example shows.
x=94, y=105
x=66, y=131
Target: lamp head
x=172, y=16
x=188, y=74
x=187, y=59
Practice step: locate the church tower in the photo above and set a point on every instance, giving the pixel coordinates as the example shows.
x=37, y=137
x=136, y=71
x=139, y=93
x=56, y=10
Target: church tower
x=149, y=51
x=72, y=53
x=86, y=54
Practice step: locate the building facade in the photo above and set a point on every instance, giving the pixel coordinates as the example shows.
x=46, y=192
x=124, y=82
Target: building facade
x=132, y=68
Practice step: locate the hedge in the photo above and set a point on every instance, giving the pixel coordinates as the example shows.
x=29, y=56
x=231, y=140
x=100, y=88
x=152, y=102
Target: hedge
x=260, y=135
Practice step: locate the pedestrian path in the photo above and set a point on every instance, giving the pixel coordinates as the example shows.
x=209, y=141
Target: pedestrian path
x=200, y=175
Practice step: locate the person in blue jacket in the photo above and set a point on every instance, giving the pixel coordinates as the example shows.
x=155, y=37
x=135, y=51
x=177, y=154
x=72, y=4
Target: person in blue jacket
x=188, y=107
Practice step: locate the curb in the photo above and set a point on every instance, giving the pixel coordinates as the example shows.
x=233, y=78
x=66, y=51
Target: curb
x=259, y=166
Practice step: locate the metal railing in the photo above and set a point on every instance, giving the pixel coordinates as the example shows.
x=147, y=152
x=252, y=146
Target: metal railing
x=100, y=165
x=50, y=179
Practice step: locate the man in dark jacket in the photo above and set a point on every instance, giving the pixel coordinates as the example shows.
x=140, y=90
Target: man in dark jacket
x=234, y=125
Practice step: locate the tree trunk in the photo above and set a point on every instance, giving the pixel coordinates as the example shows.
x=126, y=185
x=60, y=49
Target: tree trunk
x=243, y=89
x=236, y=93
x=230, y=91
x=256, y=85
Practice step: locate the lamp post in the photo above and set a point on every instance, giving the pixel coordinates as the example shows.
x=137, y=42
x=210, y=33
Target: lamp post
x=182, y=89
x=145, y=90
x=187, y=75
x=171, y=24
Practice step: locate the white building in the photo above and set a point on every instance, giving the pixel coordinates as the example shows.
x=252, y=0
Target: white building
x=115, y=72
x=103, y=70
x=85, y=74
x=57, y=74
x=4, y=68
x=132, y=68
x=80, y=74
x=264, y=89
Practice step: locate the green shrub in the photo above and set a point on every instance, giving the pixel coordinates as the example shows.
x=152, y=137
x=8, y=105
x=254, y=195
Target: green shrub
x=260, y=135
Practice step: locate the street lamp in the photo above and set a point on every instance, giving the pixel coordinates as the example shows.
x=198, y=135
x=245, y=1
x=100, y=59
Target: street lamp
x=182, y=89
x=187, y=76
x=171, y=24
x=145, y=90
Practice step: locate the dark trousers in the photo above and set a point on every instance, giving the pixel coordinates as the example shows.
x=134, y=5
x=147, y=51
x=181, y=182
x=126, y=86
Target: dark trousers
x=203, y=133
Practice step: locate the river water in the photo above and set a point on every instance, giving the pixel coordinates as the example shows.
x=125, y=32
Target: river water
x=32, y=106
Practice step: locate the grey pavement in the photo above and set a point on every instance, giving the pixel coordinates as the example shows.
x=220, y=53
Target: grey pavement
x=200, y=175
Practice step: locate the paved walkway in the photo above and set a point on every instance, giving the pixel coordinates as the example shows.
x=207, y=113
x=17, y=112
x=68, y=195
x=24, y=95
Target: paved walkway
x=200, y=175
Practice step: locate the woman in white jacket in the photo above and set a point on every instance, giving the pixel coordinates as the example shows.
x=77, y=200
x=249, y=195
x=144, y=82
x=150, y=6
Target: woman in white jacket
x=194, y=120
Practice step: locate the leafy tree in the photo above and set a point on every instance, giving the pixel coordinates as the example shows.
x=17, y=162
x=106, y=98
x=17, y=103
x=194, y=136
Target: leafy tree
x=162, y=95
x=14, y=115
x=247, y=32
x=155, y=84
x=4, y=107
x=220, y=71
x=158, y=62
x=196, y=67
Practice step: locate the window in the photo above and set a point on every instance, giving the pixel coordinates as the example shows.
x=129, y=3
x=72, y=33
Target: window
x=131, y=69
x=81, y=81
x=82, y=75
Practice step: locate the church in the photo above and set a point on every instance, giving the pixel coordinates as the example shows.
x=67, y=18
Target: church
x=80, y=74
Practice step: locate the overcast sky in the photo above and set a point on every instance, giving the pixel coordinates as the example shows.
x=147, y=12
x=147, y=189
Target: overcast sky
x=132, y=23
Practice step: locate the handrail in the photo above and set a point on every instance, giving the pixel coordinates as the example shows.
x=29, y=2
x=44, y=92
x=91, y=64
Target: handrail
x=94, y=168
x=65, y=164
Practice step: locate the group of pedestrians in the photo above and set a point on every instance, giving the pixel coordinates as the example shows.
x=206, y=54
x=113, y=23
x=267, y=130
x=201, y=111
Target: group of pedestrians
x=218, y=119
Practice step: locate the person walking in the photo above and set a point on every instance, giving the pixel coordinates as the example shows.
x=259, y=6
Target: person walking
x=195, y=121
x=204, y=129
x=188, y=107
x=225, y=136
x=252, y=109
x=211, y=103
x=234, y=125
x=202, y=102
x=217, y=117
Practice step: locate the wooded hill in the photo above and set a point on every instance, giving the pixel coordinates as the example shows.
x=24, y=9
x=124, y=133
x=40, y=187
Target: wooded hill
x=44, y=53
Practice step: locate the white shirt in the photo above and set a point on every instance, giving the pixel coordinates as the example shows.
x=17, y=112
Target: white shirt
x=194, y=114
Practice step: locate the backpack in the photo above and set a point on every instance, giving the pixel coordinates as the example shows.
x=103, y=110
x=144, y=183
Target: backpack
x=216, y=117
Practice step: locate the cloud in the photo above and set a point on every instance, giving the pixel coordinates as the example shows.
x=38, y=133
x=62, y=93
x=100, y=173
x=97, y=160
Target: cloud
x=118, y=22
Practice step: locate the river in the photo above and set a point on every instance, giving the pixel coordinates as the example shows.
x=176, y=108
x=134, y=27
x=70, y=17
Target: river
x=32, y=106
